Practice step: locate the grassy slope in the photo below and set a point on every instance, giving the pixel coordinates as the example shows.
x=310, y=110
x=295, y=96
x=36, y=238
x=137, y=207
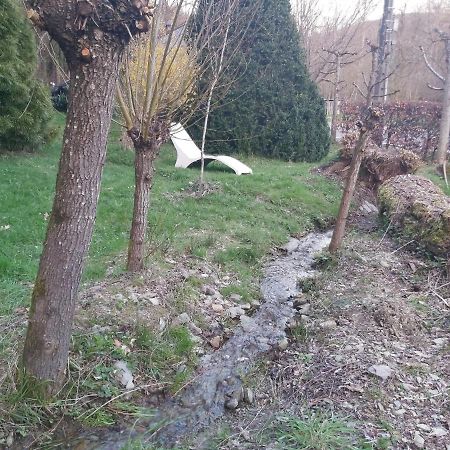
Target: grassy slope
x=240, y=222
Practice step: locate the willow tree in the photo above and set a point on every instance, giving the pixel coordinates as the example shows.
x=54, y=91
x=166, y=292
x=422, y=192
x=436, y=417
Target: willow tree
x=159, y=83
x=92, y=35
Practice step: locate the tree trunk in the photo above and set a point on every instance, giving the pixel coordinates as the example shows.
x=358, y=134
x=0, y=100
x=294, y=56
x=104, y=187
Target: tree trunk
x=70, y=228
x=444, y=129
x=336, y=99
x=144, y=173
x=341, y=221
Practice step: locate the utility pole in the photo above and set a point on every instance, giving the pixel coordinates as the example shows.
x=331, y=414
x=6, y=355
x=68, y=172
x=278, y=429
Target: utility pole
x=385, y=45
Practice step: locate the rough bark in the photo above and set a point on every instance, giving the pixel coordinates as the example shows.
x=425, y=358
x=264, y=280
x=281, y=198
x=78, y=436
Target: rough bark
x=144, y=172
x=103, y=28
x=444, y=130
x=146, y=152
x=72, y=220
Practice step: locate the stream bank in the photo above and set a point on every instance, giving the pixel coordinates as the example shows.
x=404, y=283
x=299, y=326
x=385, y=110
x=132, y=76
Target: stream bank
x=218, y=385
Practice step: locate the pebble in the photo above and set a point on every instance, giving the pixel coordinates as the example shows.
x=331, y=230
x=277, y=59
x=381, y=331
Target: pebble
x=235, y=311
x=381, y=371
x=419, y=441
x=236, y=298
x=208, y=290
x=439, y=432
x=328, y=324
x=248, y=324
x=246, y=306
x=283, y=344
x=182, y=319
x=215, y=342
x=217, y=308
x=249, y=397
x=232, y=403
x=305, y=309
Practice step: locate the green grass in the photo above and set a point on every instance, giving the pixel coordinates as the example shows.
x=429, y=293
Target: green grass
x=429, y=171
x=316, y=432
x=234, y=227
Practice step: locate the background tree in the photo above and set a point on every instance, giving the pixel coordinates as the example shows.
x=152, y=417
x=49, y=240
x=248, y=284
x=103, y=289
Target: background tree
x=443, y=79
x=273, y=108
x=24, y=101
x=92, y=35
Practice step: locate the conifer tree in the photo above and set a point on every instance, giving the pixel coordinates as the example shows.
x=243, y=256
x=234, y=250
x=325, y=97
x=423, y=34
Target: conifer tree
x=272, y=108
x=24, y=102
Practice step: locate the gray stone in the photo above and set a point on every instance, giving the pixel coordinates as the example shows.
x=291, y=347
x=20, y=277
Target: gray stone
x=249, y=397
x=232, y=403
x=215, y=342
x=283, y=344
x=235, y=298
x=419, y=441
x=235, y=311
x=328, y=324
x=182, y=319
x=123, y=375
x=381, y=371
x=305, y=309
x=208, y=290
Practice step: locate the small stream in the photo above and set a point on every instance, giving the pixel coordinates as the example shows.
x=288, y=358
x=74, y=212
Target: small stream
x=219, y=376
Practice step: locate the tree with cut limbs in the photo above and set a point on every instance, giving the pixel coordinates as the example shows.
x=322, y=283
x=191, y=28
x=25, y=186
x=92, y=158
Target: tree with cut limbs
x=92, y=35
x=444, y=130
x=159, y=84
x=370, y=117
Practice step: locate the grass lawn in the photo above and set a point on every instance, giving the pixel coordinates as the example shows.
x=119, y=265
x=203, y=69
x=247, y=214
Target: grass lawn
x=430, y=172
x=235, y=227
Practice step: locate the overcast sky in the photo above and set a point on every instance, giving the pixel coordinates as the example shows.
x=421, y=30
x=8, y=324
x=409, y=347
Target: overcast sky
x=329, y=6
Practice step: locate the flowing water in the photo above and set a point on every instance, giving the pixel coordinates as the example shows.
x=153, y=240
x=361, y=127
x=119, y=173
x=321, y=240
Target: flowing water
x=219, y=376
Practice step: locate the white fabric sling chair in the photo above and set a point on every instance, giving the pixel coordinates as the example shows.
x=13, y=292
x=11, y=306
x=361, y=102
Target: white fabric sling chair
x=189, y=154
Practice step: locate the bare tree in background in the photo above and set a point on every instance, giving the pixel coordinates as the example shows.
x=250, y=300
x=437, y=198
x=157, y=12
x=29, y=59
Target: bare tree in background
x=159, y=84
x=307, y=14
x=342, y=58
x=444, y=80
x=338, y=48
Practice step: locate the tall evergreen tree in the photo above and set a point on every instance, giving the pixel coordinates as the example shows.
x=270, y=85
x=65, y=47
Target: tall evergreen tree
x=272, y=108
x=24, y=101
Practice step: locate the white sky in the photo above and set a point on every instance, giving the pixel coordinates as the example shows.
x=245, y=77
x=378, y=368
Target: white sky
x=329, y=6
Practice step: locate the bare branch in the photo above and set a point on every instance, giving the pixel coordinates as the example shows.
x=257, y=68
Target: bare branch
x=430, y=67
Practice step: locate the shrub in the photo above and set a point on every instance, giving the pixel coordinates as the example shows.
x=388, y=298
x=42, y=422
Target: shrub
x=272, y=108
x=24, y=103
x=408, y=125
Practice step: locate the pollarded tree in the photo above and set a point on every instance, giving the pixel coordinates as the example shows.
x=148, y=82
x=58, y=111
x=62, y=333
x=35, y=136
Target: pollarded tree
x=24, y=103
x=159, y=84
x=273, y=109
x=92, y=34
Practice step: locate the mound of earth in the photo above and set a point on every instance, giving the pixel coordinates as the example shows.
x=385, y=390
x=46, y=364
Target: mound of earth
x=419, y=209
